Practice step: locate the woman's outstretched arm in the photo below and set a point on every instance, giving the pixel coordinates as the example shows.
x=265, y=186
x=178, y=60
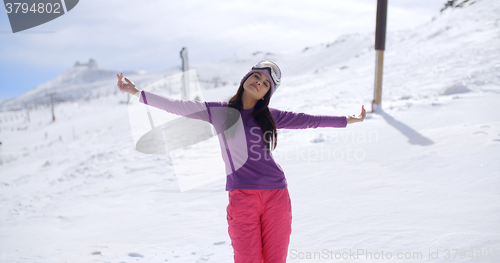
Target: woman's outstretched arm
x=186, y=108
x=299, y=120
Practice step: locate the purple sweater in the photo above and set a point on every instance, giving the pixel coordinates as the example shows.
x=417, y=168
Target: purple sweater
x=248, y=166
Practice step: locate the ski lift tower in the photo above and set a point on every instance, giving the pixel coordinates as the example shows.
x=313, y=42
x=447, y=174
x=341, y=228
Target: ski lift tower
x=379, y=49
x=185, y=80
x=52, y=104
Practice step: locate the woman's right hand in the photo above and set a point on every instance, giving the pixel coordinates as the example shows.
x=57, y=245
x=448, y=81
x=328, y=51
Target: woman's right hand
x=126, y=87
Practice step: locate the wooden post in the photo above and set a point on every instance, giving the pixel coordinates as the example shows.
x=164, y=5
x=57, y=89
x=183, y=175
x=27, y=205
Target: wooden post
x=379, y=48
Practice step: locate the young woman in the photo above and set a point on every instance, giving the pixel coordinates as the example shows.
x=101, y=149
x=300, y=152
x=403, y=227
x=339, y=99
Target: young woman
x=259, y=213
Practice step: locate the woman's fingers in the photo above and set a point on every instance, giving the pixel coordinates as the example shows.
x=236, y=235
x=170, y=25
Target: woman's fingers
x=129, y=81
x=361, y=116
x=120, y=82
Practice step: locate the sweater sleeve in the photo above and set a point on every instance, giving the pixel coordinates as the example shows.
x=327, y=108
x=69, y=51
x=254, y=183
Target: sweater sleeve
x=298, y=120
x=187, y=108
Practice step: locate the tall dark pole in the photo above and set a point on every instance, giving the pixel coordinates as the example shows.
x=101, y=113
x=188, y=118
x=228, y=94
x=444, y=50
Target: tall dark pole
x=379, y=49
x=52, y=105
x=185, y=80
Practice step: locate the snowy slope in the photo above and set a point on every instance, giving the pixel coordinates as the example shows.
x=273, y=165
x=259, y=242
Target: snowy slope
x=80, y=83
x=420, y=175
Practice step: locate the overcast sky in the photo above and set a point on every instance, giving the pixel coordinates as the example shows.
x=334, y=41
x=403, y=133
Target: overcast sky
x=149, y=35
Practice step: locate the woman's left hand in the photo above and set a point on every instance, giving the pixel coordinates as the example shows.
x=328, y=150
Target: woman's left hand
x=359, y=118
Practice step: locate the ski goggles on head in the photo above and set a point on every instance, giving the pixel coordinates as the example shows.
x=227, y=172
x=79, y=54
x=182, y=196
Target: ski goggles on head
x=273, y=68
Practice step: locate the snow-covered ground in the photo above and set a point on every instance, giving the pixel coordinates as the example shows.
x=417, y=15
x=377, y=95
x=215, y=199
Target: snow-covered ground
x=419, y=175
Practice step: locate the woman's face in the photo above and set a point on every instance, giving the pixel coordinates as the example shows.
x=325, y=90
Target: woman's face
x=257, y=85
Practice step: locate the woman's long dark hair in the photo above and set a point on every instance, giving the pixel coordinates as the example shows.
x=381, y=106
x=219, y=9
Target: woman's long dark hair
x=260, y=113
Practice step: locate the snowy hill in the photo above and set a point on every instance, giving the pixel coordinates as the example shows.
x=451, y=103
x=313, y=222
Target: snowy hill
x=78, y=83
x=418, y=176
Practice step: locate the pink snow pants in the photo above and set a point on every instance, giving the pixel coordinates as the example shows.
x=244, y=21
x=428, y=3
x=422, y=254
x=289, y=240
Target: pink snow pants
x=259, y=225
